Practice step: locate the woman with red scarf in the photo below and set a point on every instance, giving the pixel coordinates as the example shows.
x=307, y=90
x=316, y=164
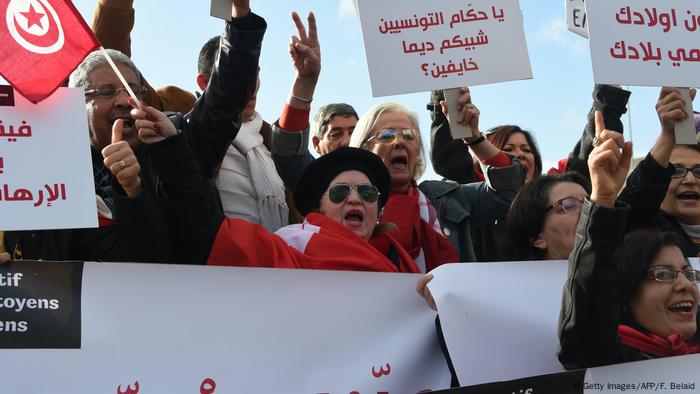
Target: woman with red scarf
x=434, y=218
x=627, y=298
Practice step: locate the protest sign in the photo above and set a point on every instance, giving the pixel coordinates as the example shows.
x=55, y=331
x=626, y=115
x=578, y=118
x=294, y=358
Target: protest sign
x=576, y=17
x=644, y=42
x=506, y=313
x=191, y=329
x=45, y=166
x=414, y=46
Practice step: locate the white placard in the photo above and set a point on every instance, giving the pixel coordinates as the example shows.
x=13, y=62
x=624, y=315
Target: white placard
x=645, y=42
x=249, y=330
x=46, y=177
x=576, y=17
x=416, y=45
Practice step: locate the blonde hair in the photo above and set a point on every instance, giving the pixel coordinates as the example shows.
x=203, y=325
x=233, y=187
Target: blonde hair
x=365, y=125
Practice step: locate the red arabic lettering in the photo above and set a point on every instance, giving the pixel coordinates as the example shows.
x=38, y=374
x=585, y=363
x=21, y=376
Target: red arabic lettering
x=382, y=371
x=208, y=386
x=2, y=165
x=129, y=390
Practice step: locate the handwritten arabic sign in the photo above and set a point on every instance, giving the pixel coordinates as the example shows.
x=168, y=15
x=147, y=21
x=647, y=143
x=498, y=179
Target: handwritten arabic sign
x=415, y=45
x=241, y=330
x=645, y=42
x=45, y=166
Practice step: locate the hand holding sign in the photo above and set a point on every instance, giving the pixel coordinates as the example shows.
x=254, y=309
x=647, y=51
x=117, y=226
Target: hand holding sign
x=241, y=8
x=4, y=257
x=608, y=163
x=153, y=125
x=122, y=162
x=671, y=109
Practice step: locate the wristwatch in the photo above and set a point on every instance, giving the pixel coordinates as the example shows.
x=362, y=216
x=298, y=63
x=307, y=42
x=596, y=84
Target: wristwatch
x=474, y=140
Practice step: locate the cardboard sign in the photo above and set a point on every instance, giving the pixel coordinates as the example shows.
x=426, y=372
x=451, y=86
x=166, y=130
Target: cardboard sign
x=414, y=45
x=576, y=17
x=194, y=329
x=46, y=177
x=645, y=42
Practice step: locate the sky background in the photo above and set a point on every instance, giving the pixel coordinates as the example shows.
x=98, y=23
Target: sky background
x=168, y=35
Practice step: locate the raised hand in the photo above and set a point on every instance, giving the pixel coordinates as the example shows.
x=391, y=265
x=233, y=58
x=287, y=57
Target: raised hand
x=153, y=125
x=240, y=8
x=119, y=158
x=608, y=163
x=305, y=50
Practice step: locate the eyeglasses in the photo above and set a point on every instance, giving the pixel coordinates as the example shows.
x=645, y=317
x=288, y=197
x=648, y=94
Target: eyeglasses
x=387, y=136
x=680, y=171
x=567, y=205
x=669, y=275
x=339, y=192
x=110, y=91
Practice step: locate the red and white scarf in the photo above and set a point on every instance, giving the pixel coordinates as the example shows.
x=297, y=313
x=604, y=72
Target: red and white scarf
x=419, y=229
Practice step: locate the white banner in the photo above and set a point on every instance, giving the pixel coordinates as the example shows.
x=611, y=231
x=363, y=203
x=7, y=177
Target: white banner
x=645, y=42
x=190, y=329
x=415, y=45
x=576, y=17
x=45, y=166
x=506, y=313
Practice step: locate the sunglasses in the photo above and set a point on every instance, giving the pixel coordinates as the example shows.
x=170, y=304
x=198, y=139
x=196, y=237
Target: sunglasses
x=567, y=205
x=680, y=171
x=387, y=136
x=339, y=192
x=668, y=275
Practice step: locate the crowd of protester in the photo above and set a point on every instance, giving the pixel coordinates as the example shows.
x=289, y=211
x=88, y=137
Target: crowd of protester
x=203, y=179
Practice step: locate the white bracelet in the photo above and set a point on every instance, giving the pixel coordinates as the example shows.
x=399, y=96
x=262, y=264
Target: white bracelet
x=302, y=99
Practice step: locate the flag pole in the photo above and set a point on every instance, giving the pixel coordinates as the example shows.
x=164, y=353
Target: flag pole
x=121, y=77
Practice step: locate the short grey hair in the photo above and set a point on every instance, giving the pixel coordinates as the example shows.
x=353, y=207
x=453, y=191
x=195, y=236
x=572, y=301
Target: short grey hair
x=326, y=113
x=79, y=78
x=363, y=130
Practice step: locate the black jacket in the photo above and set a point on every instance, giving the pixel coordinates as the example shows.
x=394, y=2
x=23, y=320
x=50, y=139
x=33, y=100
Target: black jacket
x=589, y=314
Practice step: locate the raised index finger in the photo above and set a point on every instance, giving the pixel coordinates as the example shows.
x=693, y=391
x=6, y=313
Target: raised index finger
x=599, y=123
x=300, y=26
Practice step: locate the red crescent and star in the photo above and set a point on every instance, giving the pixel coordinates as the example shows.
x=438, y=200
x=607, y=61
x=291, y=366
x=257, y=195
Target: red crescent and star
x=33, y=17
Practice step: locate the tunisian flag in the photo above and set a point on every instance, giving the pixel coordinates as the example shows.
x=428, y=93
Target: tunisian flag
x=42, y=42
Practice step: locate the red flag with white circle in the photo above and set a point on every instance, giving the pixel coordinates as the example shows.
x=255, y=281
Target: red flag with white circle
x=43, y=41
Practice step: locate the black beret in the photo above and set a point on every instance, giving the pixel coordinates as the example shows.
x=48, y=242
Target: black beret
x=319, y=174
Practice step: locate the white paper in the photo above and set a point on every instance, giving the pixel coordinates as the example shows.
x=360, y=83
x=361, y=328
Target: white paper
x=46, y=177
x=415, y=45
x=645, y=42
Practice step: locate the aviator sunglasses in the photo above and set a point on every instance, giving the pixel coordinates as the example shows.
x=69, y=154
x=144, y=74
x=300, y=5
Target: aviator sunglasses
x=387, y=136
x=339, y=192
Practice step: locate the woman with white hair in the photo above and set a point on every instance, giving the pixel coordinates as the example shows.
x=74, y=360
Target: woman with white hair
x=437, y=215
